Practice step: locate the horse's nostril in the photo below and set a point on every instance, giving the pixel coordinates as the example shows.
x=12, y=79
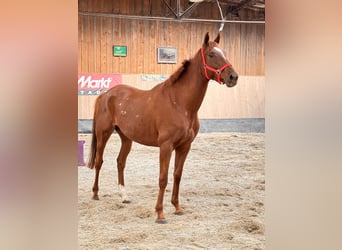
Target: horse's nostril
x=233, y=77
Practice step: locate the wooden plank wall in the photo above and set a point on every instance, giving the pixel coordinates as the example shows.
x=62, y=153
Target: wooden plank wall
x=243, y=43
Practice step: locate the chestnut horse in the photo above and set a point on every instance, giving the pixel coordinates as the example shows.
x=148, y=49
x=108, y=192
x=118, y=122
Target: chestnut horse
x=164, y=116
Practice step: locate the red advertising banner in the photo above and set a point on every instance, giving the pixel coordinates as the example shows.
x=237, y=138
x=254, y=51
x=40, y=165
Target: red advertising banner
x=95, y=84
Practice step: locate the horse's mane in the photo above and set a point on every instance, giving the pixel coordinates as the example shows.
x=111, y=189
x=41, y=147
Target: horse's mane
x=179, y=72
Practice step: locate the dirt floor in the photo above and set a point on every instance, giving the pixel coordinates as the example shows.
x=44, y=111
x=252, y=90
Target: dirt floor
x=222, y=193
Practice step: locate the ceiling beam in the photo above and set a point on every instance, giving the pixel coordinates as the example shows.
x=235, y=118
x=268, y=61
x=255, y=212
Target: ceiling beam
x=170, y=8
x=244, y=4
x=178, y=13
x=167, y=18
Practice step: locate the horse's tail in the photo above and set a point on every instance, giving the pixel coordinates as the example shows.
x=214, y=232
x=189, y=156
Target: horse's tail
x=91, y=162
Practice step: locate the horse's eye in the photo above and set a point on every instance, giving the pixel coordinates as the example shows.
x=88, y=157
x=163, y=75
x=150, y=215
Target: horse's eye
x=211, y=54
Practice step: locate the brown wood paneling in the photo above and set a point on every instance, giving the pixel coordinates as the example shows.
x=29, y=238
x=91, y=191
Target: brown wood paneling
x=243, y=43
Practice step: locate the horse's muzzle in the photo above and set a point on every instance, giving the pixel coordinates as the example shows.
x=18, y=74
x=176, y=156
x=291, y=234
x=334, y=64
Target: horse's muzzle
x=232, y=79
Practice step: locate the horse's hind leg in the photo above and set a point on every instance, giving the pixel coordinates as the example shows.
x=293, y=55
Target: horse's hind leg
x=126, y=145
x=102, y=136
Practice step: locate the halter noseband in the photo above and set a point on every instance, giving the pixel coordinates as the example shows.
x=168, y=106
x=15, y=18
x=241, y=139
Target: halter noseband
x=217, y=71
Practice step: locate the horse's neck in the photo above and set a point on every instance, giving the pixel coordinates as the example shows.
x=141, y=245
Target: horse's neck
x=190, y=92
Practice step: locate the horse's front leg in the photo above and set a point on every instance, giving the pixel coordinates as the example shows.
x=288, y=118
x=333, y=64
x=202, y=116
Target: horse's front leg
x=181, y=153
x=164, y=161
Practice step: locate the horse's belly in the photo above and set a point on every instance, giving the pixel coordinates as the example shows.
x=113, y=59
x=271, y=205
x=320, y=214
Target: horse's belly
x=142, y=133
x=146, y=142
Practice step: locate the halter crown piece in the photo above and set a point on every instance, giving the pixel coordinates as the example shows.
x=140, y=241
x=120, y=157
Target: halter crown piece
x=217, y=71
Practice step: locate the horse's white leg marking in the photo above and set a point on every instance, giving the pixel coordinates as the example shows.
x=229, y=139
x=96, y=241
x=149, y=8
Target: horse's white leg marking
x=123, y=194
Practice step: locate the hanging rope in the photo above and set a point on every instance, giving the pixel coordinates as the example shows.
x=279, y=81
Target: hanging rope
x=222, y=24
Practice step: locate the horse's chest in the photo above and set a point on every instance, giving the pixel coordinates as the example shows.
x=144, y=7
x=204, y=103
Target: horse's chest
x=187, y=131
x=190, y=134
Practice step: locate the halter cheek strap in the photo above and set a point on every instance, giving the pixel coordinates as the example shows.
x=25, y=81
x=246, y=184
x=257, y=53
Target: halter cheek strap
x=217, y=71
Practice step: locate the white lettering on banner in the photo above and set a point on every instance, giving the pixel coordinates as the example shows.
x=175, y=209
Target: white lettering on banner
x=91, y=92
x=94, y=84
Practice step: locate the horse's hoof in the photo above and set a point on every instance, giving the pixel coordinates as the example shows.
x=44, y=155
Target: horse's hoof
x=161, y=221
x=95, y=197
x=126, y=201
x=179, y=213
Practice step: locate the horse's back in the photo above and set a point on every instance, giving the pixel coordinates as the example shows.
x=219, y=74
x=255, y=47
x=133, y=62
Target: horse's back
x=123, y=90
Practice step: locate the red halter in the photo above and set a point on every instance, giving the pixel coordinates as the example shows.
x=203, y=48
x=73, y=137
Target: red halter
x=217, y=71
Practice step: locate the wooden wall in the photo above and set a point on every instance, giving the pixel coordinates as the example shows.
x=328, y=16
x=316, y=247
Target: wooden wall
x=243, y=43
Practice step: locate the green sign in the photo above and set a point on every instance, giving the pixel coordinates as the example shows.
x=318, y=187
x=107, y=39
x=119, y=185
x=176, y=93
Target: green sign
x=119, y=50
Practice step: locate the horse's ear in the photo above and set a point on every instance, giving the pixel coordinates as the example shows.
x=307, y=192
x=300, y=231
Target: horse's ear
x=206, y=39
x=217, y=39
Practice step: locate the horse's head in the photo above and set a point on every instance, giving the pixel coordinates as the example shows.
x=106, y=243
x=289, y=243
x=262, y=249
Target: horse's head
x=216, y=65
